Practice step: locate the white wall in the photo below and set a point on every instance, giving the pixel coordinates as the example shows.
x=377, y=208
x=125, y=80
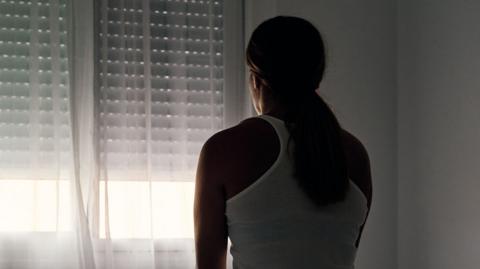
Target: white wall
x=360, y=83
x=439, y=134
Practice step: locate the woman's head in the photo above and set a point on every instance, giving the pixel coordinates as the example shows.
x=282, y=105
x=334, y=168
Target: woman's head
x=286, y=58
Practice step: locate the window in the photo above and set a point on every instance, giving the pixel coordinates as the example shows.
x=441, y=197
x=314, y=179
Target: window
x=35, y=143
x=166, y=74
x=161, y=87
x=161, y=81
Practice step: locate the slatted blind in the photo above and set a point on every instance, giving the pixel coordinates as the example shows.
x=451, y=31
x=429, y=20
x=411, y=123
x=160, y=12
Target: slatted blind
x=34, y=106
x=160, y=86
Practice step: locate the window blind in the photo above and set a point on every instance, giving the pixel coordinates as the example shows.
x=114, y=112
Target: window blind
x=34, y=106
x=35, y=140
x=160, y=86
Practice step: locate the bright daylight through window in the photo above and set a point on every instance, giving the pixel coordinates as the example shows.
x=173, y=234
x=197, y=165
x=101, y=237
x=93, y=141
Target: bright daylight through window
x=158, y=97
x=161, y=79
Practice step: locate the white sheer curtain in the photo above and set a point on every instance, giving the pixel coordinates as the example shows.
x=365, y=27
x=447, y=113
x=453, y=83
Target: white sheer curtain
x=160, y=97
x=41, y=214
x=104, y=108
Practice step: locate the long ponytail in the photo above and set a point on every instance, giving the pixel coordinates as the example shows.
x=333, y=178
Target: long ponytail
x=320, y=162
x=286, y=54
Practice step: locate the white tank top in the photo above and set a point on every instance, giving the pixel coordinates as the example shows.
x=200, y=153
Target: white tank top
x=273, y=224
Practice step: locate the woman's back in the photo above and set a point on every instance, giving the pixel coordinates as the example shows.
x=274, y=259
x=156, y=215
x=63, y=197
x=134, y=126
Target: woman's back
x=273, y=224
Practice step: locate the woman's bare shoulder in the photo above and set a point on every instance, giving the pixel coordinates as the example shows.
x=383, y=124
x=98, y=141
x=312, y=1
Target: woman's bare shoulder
x=250, y=131
x=358, y=163
x=240, y=154
x=353, y=143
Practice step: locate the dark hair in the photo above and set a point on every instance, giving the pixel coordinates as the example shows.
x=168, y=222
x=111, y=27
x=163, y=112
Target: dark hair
x=286, y=55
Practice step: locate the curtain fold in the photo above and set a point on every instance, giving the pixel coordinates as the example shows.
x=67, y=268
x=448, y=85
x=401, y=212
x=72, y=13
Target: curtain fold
x=81, y=65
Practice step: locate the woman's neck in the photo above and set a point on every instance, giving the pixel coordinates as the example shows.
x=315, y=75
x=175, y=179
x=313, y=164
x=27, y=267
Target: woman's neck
x=276, y=111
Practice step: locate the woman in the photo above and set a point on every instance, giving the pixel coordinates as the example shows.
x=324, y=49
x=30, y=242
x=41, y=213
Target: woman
x=290, y=187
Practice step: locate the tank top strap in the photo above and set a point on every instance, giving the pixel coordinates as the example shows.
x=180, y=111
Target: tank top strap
x=280, y=129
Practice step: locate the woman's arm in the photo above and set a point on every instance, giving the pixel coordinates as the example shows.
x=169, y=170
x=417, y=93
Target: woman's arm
x=209, y=209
